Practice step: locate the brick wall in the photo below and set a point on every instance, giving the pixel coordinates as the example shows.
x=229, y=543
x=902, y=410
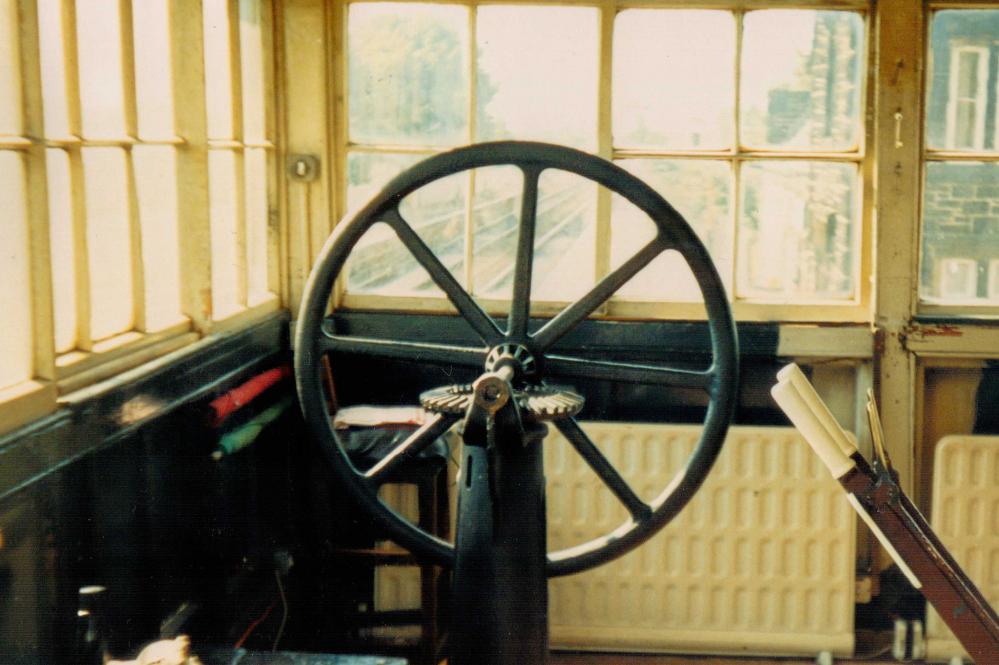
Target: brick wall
x=960, y=218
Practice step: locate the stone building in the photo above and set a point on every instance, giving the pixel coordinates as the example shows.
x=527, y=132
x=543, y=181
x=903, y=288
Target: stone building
x=961, y=199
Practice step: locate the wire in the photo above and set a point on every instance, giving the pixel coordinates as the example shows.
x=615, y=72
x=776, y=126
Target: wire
x=284, y=610
x=253, y=626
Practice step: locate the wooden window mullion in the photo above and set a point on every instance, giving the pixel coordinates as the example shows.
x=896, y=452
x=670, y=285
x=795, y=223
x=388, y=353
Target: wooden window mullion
x=190, y=121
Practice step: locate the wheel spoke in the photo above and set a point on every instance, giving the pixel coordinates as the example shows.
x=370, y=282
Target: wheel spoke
x=481, y=322
x=602, y=467
x=389, y=348
x=631, y=372
x=568, y=318
x=520, y=307
x=410, y=448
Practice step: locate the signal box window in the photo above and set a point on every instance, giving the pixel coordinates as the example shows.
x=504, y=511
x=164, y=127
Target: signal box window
x=759, y=147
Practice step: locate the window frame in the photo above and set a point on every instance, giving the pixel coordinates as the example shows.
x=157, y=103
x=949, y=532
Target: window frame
x=56, y=376
x=977, y=309
x=980, y=99
x=854, y=310
x=971, y=283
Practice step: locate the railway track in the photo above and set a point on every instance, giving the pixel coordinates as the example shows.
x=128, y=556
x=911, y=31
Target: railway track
x=385, y=267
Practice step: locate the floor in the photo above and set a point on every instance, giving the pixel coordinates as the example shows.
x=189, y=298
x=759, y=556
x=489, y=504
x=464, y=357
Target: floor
x=620, y=659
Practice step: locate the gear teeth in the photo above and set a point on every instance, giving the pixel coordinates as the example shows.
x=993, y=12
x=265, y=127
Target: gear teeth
x=541, y=402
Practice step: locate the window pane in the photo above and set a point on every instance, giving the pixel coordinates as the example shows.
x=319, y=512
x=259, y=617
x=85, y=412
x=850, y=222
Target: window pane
x=10, y=71
x=153, y=85
x=251, y=53
x=960, y=231
x=798, y=231
x=109, y=245
x=700, y=191
x=218, y=69
x=156, y=190
x=257, y=227
x=380, y=263
x=967, y=73
x=565, y=238
x=495, y=218
x=674, y=79
x=102, y=102
x=564, y=235
x=408, y=73
x=960, y=102
x=367, y=174
x=15, y=285
x=62, y=249
x=227, y=258
x=52, y=54
x=801, y=79
x=537, y=74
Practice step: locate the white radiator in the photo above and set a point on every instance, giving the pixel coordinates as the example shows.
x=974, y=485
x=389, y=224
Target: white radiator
x=760, y=562
x=965, y=515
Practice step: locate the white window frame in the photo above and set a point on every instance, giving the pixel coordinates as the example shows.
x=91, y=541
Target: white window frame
x=857, y=309
x=938, y=305
x=969, y=289
x=979, y=99
x=992, y=290
x=90, y=361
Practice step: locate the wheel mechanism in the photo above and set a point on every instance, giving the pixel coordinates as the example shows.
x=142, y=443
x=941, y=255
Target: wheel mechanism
x=517, y=355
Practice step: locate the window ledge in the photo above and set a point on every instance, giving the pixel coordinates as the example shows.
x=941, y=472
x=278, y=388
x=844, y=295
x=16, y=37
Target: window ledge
x=109, y=411
x=953, y=337
x=25, y=402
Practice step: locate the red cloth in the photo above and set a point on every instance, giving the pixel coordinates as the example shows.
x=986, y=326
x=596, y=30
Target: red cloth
x=228, y=403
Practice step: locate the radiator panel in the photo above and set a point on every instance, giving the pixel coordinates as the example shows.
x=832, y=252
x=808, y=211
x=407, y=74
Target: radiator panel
x=965, y=515
x=760, y=562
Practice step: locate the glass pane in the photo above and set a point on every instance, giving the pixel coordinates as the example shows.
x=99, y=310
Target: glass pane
x=564, y=236
x=52, y=53
x=495, y=218
x=674, y=79
x=257, y=218
x=218, y=69
x=10, y=71
x=156, y=191
x=701, y=192
x=367, y=174
x=801, y=79
x=408, y=73
x=537, y=74
x=967, y=73
x=960, y=232
x=62, y=249
x=251, y=53
x=15, y=285
x=109, y=243
x=798, y=231
x=226, y=233
x=960, y=102
x=102, y=102
x=153, y=85
x=381, y=264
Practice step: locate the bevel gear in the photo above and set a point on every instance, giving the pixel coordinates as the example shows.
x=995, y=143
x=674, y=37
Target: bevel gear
x=539, y=402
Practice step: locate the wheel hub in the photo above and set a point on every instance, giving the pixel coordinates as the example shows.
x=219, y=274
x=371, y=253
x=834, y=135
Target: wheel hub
x=514, y=355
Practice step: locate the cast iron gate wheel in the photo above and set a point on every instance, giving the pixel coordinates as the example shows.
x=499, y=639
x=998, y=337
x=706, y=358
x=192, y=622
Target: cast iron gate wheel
x=719, y=381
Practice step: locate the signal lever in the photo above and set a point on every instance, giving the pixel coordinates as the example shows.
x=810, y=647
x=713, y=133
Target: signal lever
x=874, y=492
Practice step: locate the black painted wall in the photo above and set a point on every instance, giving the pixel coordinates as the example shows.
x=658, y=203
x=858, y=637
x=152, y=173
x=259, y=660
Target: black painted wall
x=142, y=507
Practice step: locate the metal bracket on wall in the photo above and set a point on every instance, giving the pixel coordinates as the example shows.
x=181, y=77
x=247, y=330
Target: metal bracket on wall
x=303, y=168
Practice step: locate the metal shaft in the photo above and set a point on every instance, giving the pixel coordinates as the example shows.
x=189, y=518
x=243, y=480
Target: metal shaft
x=499, y=614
